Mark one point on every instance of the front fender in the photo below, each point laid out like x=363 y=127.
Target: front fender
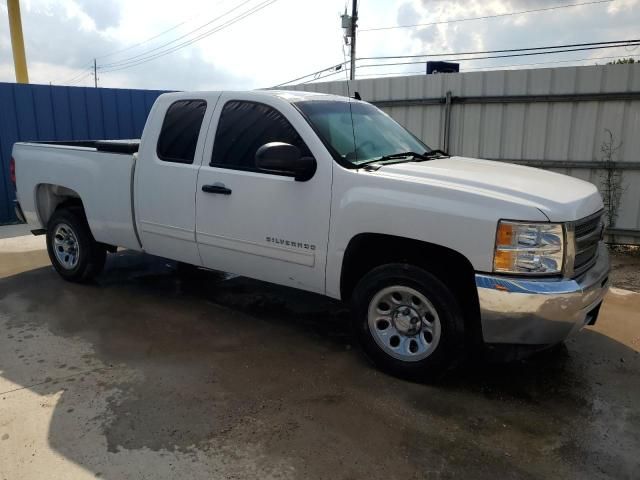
x=439 y=214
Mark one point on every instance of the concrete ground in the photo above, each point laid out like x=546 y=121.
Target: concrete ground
x=150 y=375
x=625 y=267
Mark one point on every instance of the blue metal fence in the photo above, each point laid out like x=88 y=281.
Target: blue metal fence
x=43 y=112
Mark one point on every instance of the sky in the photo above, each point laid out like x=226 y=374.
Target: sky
x=286 y=39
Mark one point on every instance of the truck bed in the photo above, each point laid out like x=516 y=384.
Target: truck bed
x=99 y=172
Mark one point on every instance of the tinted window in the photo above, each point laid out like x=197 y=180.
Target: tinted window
x=246 y=126
x=180 y=131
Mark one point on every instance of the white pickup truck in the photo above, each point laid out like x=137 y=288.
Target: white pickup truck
x=328 y=194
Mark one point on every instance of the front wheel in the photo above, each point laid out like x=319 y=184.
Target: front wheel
x=408 y=321
x=73 y=251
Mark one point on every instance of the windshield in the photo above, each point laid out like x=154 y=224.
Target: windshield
x=372 y=135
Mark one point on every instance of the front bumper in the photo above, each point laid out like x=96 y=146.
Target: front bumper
x=541 y=311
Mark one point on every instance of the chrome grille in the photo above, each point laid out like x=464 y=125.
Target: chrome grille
x=587 y=234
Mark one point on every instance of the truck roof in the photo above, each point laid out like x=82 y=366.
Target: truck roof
x=290 y=96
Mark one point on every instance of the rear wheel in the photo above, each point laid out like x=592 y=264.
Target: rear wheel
x=73 y=251
x=408 y=321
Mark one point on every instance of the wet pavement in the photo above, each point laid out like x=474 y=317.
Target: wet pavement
x=153 y=374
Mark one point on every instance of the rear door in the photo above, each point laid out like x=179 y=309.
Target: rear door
x=166 y=176
x=262 y=225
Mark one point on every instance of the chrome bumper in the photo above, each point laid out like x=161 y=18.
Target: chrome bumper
x=539 y=311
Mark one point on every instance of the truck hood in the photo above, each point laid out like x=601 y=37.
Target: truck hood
x=560 y=197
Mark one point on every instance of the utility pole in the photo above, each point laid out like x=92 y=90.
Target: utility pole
x=17 y=41
x=95 y=73
x=354 y=20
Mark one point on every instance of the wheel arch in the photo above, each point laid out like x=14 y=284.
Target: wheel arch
x=366 y=251
x=50 y=197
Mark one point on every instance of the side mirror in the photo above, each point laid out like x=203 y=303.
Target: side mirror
x=286 y=159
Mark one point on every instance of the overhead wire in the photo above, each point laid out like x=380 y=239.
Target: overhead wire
x=240 y=5
x=525 y=49
x=387 y=74
x=496 y=67
x=158 y=35
x=147 y=40
x=80 y=80
x=485 y=17
x=85 y=68
x=318 y=72
x=131 y=47
x=502 y=56
x=144 y=57
x=132 y=63
x=327 y=72
x=575 y=60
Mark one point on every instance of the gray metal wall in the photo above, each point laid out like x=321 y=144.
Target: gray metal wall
x=553 y=118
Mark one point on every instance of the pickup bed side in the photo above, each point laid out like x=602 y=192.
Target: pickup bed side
x=50 y=174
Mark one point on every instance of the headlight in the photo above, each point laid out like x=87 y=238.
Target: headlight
x=529 y=248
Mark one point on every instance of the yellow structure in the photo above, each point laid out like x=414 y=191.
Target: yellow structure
x=17 y=41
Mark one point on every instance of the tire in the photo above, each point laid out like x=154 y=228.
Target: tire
x=73 y=251
x=412 y=305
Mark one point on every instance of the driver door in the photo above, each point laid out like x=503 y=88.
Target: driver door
x=257 y=224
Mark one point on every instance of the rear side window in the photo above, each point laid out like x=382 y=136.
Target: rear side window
x=246 y=126
x=180 y=131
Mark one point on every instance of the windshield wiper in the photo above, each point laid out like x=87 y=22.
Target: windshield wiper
x=407 y=157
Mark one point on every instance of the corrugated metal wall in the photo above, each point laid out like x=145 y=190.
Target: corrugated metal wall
x=42 y=112
x=496 y=117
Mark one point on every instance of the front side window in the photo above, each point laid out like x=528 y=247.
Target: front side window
x=358 y=132
x=246 y=126
x=180 y=131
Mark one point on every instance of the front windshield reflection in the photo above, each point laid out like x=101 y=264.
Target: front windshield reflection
x=358 y=132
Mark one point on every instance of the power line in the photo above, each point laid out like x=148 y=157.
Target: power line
x=386 y=74
x=80 y=80
x=503 y=56
x=550 y=62
x=337 y=67
x=497 y=67
x=133 y=63
x=526 y=49
x=330 y=74
x=130 y=47
x=485 y=17
x=73 y=77
x=334 y=69
x=164 y=32
x=180 y=37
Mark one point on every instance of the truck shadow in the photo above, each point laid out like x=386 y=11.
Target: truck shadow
x=151 y=367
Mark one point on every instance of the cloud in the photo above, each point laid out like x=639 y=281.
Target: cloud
x=564 y=26
x=176 y=72
x=60 y=50
x=407 y=14
x=104 y=13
